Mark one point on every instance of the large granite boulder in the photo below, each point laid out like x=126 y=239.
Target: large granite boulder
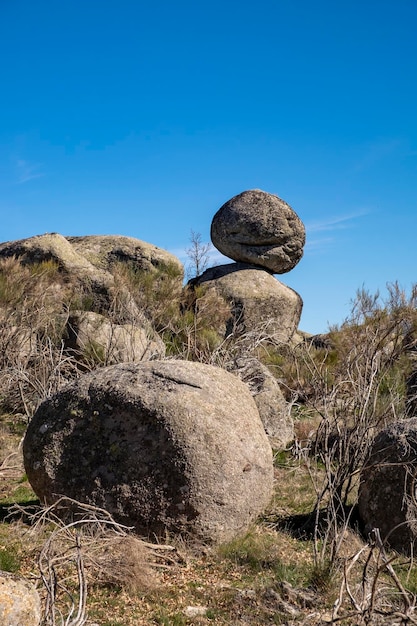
x=74 y=266
x=387 y=494
x=88 y=261
x=93 y=337
x=273 y=408
x=164 y=446
x=258 y=301
x=20 y=604
x=103 y=251
x=259 y=228
x=53 y=246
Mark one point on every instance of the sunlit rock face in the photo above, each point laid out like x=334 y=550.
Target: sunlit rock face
x=259 y=228
x=164 y=446
x=259 y=303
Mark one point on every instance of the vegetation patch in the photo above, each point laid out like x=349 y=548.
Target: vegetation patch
x=305 y=561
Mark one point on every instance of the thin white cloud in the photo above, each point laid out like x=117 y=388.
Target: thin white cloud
x=330 y=226
x=217 y=258
x=320 y=243
x=180 y=253
x=27 y=171
x=335 y=223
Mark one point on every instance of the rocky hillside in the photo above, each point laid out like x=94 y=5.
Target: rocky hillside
x=237 y=470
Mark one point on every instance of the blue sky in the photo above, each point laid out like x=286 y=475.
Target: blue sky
x=142 y=119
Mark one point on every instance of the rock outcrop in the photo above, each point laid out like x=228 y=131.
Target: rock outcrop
x=79 y=255
x=272 y=406
x=93 y=337
x=103 y=251
x=171 y=446
x=89 y=261
x=264 y=236
x=259 y=228
x=387 y=494
x=20 y=604
x=258 y=302
x=55 y=247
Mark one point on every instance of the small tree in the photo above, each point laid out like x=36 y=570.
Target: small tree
x=199 y=255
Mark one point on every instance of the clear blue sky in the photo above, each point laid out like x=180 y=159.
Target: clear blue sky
x=143 y=118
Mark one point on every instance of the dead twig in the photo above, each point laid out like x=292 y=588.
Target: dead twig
x=85 y=545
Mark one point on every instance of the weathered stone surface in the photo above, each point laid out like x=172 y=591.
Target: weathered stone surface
x=89 y=260
x=272 y=406
x=103 y=251
x=53 y=246
x=259 y=228
x=387 y=494
x=162 y=445
x=91 y=335
x=19 y=601
x=258 y=301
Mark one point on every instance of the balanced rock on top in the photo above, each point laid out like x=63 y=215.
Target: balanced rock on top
x=259 y=228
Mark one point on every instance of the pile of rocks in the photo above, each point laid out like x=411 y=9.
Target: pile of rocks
x=116 y=332
x=264 y=236
x=173 y=446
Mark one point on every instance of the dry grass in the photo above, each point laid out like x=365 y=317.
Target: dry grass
x=303 y=563
x=132 y=582
x=11 y=460
x=269 y=576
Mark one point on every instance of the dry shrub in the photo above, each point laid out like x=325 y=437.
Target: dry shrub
x=8 y=446
x=156 y=292
x=354 y=383
x=202 y=326
x=33 y=302
x=191 y=321
x=126 y=562
x=371 y=592
x=36 y=304
x=81 y=545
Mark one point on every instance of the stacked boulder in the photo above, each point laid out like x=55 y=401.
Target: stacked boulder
x=259 y=228
x=264 y=236
x=168 y=445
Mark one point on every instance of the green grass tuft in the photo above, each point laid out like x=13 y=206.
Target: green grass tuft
x=9 y=559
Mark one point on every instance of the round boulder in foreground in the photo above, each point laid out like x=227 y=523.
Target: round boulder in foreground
x=259 y=228
x=388 y=489
x=163 y=446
